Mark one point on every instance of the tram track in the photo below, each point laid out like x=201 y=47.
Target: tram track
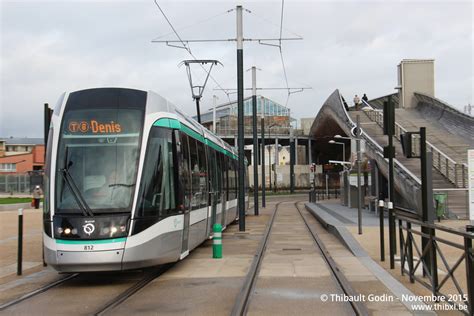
x=103 y=309
x=122 y=297
x=38 y=291
x=358 y=307
x=242 y=302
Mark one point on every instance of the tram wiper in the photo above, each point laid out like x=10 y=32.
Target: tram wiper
x=121 y=185
x=76 y=193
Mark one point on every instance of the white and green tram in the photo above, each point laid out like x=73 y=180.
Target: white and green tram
x=131 y=182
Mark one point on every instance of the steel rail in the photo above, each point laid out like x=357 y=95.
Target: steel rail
x=358 y=307
x=241 y=303
x=37 y=291
x=122 y=297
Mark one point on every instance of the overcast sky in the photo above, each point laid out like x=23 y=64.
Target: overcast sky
x=51 y=47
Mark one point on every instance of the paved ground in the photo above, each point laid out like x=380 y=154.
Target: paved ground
x=292 y=278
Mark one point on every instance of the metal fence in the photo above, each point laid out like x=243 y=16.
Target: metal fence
x=441 y=255
x=14 y=183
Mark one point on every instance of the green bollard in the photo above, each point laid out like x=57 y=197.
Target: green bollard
x=217 y=241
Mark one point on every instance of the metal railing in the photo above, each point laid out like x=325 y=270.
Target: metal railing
x=455 y=172
x=378 y=150
x=427 y=254
x=321 y=194
x=272 y=131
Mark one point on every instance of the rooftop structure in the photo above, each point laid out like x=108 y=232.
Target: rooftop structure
x=20 y=155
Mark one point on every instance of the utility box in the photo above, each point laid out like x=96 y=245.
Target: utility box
x=440 y=203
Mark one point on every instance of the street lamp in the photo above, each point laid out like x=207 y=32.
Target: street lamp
x=342 y=137
x=343 y=147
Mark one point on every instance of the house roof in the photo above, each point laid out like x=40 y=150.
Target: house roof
x=22 y=141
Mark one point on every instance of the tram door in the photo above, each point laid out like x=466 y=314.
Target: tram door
x=213 y=186
x=185 y=177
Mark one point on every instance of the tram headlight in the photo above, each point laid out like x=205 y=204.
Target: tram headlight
x=113 y=230
x=60 y=230
x=67 y=231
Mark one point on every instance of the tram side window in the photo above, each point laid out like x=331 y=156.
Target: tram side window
x=219 y=176
x=157 y=189
x=229 y=174
x=212 y=170
x=225 y=168
x=195 y=174
x=236 y=178
x=203 y=174
x=185 y=174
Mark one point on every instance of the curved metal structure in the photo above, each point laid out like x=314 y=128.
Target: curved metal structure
x=333 y=116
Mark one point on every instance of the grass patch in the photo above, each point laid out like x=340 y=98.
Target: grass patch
x=15 y=200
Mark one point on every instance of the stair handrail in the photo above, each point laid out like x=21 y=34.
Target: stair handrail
x=379 y=150
x=447 y=166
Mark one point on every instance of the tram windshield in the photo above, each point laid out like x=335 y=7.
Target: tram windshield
x=97 y=160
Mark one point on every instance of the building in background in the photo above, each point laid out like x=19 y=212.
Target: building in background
x=277 y=117
x=21 y=155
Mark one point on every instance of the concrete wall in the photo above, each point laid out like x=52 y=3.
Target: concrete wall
x=283 y=176
x=306 y=124
x=415 y=75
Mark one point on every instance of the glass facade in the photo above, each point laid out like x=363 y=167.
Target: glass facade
x=270 y=108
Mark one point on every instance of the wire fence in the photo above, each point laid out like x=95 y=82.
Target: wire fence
x=15 y=183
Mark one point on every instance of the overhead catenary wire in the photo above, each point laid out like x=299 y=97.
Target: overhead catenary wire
x=194 y=24
x=187 y=48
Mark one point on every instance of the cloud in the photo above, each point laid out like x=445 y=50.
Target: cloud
x=51 y=47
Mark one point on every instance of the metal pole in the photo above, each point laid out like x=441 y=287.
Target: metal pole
x=262 y=127
x=359 y=186
x=327 y=188
x=391 y=191
x=214 y=99
x=240 y=117
x=47 y=122
x=270 y=166
x=20 y=242
x=427 y=204
x=469 y=253
x=275 y=180
x=343 y=153
x=198 y=111
x=310 y=155
x=382 y=233
x=255 y=139
x=292 y=162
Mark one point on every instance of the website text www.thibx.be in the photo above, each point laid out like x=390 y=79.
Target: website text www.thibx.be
x=455 y=302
